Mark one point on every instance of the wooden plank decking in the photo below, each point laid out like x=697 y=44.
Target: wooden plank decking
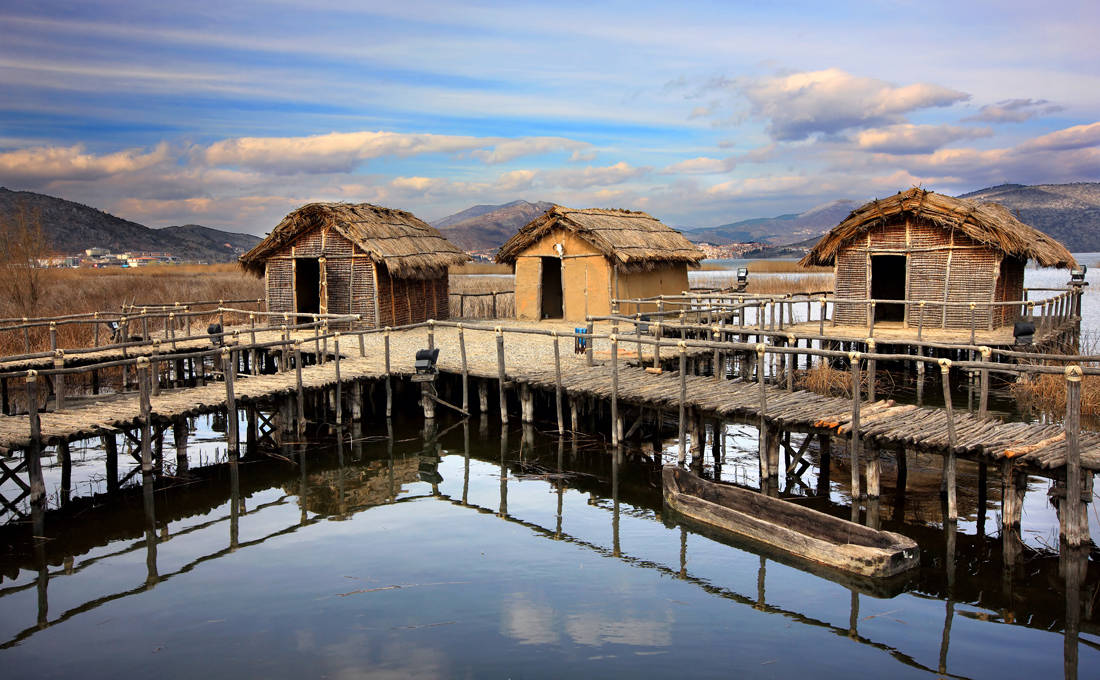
x=530 y=360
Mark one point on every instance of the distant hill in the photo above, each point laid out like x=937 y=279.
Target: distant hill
x=779 y=230
x=1068 y=212
x=484 y=227
x=73 y=227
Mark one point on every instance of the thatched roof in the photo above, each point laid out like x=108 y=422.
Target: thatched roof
x=634 y=240
x=988 y=223
x=408 y=247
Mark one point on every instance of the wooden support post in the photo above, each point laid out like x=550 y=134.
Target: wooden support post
x=154 y=367
x=682 y=453
x=6 y=399
x=773 y=446
x=589 y=350
x=557 y=383
x=824 y=442
x=1013 y=482
x=339 y=386
x=983 y=396
x=144 y=389
x=657 y=346
x=232 y=429
x=873 y=474
x=53 y=336
x=501 y=375
x=34 y=449
x=949 y=463
x=574 y=415
x=1076 y=519
x=299 y=392
x=526 y=403
x=483 y=395
x=59 y=380
x=389 y=382
x=872 y=370
x=465 y=369
x=614 y=389
x=179 y=437
x=855 y=442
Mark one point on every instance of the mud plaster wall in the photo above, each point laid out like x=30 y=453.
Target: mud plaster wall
x=586 y=277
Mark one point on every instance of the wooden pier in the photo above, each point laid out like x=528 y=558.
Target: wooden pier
x=712 y=380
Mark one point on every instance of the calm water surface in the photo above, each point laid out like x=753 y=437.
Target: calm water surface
x=393 y=552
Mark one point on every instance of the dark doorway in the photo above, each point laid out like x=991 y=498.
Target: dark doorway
x=888 y=283
x=307 y=287
x=551 y=288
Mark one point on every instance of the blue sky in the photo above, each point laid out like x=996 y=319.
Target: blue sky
x=231 y=114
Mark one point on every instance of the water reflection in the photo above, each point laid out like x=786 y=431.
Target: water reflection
x=656 y=592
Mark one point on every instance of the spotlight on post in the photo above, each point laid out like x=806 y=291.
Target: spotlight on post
x=217 y=338
x=1023 y=332
x=1077 y=276
x=425 y=365
x=742 y=277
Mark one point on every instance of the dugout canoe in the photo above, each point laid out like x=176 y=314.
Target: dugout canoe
x=804 y=533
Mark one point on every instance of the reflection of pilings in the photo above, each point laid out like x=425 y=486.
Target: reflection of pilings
x=466 y=460
x=1074 y=564
x=42 y=582
x=234 y=504
x=761 y=577
x=949 y=568
x=503 y=510
x=616 y=454
x=560 y=483
x=151 y=576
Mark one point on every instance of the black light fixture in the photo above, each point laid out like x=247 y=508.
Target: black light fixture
x=214 y=330
x=742 y=277
x=425 y=364
x=1077 y=276
x=1023 y=332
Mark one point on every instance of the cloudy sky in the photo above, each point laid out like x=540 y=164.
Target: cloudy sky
x=231 y=114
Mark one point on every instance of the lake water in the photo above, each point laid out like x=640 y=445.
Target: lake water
x=395 y=552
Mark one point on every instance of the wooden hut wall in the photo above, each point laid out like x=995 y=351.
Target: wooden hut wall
x=1010 y=286
x=971 y=276
x=405 y=301
x=671 y=279
x=586 y=277
x=851 y=283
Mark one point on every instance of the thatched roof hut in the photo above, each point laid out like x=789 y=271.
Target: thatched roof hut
x=989 y=223
x=920 y=246
x=572 y=263
x=340 y=258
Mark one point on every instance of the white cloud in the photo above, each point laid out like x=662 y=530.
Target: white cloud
x=50 y=163
x=702 y=165
x=830 y=101
x=504 y=151
x=1014 y=111
x=905 y=138
x=594 y=176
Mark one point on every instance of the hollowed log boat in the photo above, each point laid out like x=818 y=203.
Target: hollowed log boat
x=801 y=532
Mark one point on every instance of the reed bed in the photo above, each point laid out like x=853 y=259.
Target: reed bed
x=471 y=296
x=74 y=291
x=833 y=382
x=1047 y=392
x=474 y=268
x=771 y=284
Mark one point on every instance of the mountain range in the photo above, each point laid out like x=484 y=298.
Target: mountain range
x=485 y=227
x=1068 y=212
x=73 y=227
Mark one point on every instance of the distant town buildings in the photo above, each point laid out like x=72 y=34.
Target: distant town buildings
x=727 y=251
x=102 y=257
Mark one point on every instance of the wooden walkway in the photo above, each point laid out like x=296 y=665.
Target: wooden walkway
x=1038 y=446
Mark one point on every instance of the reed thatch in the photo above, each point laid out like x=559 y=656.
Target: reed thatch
x=988 y=223
x=633 y=240
x=406 y=246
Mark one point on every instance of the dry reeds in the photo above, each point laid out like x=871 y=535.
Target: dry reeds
x=74 y=291
x=773 y=284
x=476 y=297
x=833 y=382
x=475 y=268
x=1047 y=393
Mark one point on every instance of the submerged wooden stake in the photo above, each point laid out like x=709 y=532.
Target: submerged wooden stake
x=949 y=460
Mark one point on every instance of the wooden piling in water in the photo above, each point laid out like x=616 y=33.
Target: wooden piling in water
x=557 y=382
x=501 y=375
x=949 y=462
x=681 y=456
x=855 y=442
x=1076 y=521
x=144 y=389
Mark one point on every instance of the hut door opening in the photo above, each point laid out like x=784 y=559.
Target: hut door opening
x=307 y=286
x=888 y=283
x=552 y=295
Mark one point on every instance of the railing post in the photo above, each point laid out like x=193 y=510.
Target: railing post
x=614 y=389
x=872 y=368
x=146 y=414
x=389 y=382
x=501 y=375
x=34 y=449
x=949 y=460
x=465 y=369
x=229 y=368
x=154 y=367
x=856 y=444
x=1076 y=519
x=920 y=321
x=557 y=383
x=53 y=336
x=983 y=396
x=657 y=346
x=871 y=314
x=973 y=321
x=301 y=397
x=59 y=379
x=681 y=456
x=339 y=386
x=431 y=333
x=589 y=349
x=95 y=324
x=821 y=320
